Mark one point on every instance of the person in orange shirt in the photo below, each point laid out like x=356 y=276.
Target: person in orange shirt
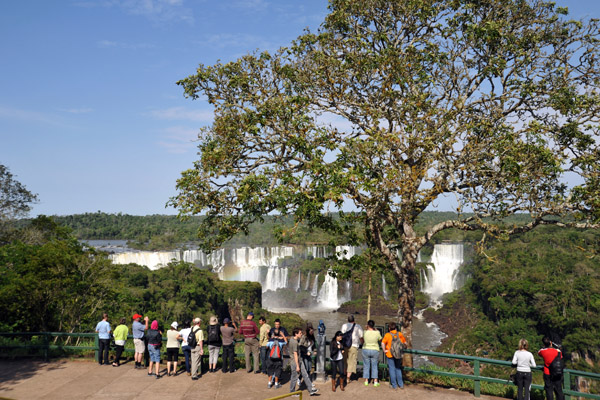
x=394 y=364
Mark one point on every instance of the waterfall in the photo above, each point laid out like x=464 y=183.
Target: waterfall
x=348 y=291
x=328 y=295
x=151 y=259
x=298 y=285
x=345 y=252
x=216 y=258
x=315 y=288
x=307 y=281
x=440 y=277
x=276 y=278
x=384 y=287
x=317 y=251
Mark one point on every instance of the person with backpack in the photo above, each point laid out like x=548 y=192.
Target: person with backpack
x=336 y=352
x=393 y=345
x=553 y=371
x=277 y=339
x=523 y=361
x=196 y=343
x=213 y=338
x=352 y=339
x=263 y=341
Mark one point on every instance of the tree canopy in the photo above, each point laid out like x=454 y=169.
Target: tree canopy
x=15 y=199
x=392 y=106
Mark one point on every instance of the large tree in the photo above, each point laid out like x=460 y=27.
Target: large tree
x=394 y=106
x=15 y=199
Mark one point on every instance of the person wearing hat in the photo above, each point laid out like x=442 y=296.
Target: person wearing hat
x=138 y=330
x=250 y=331
x=173 y=337
x=197 y=351
x=227 y=331
x=213 y=338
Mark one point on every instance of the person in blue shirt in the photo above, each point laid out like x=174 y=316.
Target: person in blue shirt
x=103 y=331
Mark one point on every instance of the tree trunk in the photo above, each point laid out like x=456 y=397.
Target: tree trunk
x=406 y=293
x=369 y=294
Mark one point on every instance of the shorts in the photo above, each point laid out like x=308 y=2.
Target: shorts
x=154 y=353
x=350 y=359
x=172 y=353
x=139 y=345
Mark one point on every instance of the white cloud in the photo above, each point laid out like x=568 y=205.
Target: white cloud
x=179 y=139
x=182 y=114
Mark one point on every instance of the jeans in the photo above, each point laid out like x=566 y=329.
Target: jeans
x=337 y=367
x=370 y=360
x=103 y=346
x=552 y=386
x=264 y=355
x=395 y=368
x=228 y=354
x=295 y=376
x=187 y=353
x=523 y=385
x=154 y=352
x=307 y=361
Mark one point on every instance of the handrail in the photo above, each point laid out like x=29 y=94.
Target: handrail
x=476 y=377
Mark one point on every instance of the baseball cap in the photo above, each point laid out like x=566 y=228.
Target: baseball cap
x=136 y=316
x=251 y=313
x=226 y=321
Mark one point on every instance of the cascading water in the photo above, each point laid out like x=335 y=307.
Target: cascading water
x=328 y=295
x=152 y=259
x=315 y=289
x=345 y=252
x=276 y=278
x=298 y=284
x=441 y=277
x=384 y=288
x=307 y=281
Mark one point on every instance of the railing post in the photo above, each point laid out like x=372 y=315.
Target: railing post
x=321 y=349
x=97 y=346
x=46 y=343
x=477 y=382
x=567 y=385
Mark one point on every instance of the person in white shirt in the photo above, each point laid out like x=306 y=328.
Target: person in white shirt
x=351 y=354
x=523 y=360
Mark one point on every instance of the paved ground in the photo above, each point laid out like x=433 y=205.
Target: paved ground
x=86 y=380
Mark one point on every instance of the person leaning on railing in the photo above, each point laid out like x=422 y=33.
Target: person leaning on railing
x=120 y=335
x=523 y=360
x=370 y=353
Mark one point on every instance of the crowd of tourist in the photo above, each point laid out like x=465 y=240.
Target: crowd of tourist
x=266 y=349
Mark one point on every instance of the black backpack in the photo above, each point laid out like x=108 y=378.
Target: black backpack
x=191 y=340
x=213 y=334
x=347 y=337
x=556 y=367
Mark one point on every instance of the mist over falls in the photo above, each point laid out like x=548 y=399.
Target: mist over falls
x=284 y=284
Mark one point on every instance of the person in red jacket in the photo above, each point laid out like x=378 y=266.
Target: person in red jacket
x=551 y=384
x=250 y=331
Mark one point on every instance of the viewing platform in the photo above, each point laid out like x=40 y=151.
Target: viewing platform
x=85 y=379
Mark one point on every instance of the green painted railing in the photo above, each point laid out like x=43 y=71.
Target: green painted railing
x=44 y=343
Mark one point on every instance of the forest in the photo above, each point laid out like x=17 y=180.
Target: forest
x=544 y=282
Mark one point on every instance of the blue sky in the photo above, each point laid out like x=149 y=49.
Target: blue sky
x=90 y=115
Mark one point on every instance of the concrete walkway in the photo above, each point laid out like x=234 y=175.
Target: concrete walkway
x=62 y=379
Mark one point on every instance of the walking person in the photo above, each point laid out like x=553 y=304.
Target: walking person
x=297 y=365
x=138 y=330
x=103 y=331
x=370 y=353
x=552 y=383
x=227 y=331
x=154 y=344
x=523 y=360
x=263 y=342
x=307 y=343
x=351 y=353
x=120 y=335
x=185 y=348
x=394 y=363
x=198 y=349
x=173 y=337
x=213 y=338
x=250 y=331
x=336 y=353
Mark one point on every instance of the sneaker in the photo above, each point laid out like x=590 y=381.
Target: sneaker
x=277 y=385
x=376 y=384
x=270 y=385
x=366 y=383
x=313 y=391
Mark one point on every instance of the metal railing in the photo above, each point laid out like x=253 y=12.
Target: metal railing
x=43 y=342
